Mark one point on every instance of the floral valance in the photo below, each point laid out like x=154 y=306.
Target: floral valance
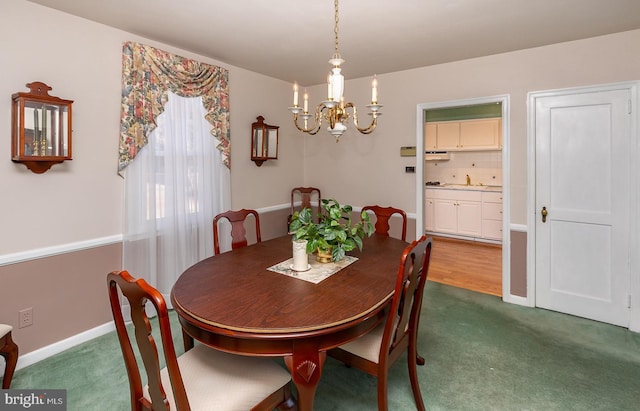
x=148 y=74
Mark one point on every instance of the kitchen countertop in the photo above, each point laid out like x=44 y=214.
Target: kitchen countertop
x=473 y=187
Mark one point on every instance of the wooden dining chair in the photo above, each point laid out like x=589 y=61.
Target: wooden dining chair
x=378 y=349
x=200 y=379
x=238 y=231
x=382 y=219
x=9 y=350
x=305 y=195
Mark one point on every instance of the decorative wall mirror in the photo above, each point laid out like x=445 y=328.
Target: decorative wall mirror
x=40 y=128
x=264 y=141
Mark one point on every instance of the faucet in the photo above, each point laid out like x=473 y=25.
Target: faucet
x=468 y=180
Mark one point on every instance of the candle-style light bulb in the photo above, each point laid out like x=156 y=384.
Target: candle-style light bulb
x=306 y=101
x=295 y=94
x=374 y=90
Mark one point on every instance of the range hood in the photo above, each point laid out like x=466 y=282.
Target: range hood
x=436 y=156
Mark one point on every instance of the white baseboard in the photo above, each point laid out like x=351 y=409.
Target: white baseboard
x=60 y=346
x=515 y=299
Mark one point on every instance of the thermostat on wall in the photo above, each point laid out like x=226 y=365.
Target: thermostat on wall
x=408 y=151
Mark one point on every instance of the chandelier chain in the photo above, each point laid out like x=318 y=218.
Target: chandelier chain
x=335 y=29
x=334 y=109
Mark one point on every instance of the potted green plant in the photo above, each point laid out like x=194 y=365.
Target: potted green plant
x=335 y=234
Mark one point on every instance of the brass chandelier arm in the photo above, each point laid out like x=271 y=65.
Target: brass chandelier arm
x=317 y=121
x=313 y=130
x=370 y=127
x=333 y=115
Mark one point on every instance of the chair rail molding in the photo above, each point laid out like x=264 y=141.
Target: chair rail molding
x=37 y=253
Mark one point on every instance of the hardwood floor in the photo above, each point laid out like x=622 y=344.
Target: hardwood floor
x=467 y=264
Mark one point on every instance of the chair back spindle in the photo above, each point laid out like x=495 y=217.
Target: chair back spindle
x=307 y=196
x=238 y=231
x=383 y=214
x=213 y=379
x=138 y=293
x=377 y=350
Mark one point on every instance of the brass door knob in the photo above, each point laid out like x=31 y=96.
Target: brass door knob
x=544 y=213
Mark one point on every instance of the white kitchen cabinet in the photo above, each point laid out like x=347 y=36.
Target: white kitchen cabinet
x=430 y=136
x=448 y=135
x=442 y=136
x=492 y=215
x=445 y=216
x=482 y=134
x=428 y=210
x=456 y=212
x=464 y=135
x=464 y=213
x=469 y=218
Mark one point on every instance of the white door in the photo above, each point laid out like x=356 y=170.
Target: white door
x=582 y=171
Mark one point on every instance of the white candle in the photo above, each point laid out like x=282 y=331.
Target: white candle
x=295 y=94
x=300 y=256
x=306 y=101
x=374 y=90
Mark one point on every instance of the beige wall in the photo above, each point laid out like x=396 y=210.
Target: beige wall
x=255 y=187
x=518 y=268
x=68 y=294
x=81 y=200
x=367 y=169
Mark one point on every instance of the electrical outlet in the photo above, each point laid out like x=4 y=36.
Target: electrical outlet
x=25 y=317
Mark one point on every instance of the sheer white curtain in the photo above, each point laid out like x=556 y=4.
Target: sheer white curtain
x=173 y=189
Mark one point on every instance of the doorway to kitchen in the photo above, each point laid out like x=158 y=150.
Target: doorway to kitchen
x=462 y=180
x=466 y=264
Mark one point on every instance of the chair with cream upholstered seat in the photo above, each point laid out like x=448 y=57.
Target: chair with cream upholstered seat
x=9 y=350
x=377 y=350
x=200 y=379
x=383 y=214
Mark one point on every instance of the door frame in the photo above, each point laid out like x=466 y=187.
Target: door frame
x=420 y=187
x=634 y=206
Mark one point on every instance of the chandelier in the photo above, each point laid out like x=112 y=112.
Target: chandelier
x=334 y=109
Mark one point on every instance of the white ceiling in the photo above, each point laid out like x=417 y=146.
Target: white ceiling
x=293 y=39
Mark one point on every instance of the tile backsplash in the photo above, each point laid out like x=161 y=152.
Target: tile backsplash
x=484 y=167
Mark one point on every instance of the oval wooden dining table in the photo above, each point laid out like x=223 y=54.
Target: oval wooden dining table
x=233 y=303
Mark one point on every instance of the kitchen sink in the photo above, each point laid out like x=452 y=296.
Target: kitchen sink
x=464 y=186
x=471 y=187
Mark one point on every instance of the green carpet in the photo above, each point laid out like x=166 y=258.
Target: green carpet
x=482 y=354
